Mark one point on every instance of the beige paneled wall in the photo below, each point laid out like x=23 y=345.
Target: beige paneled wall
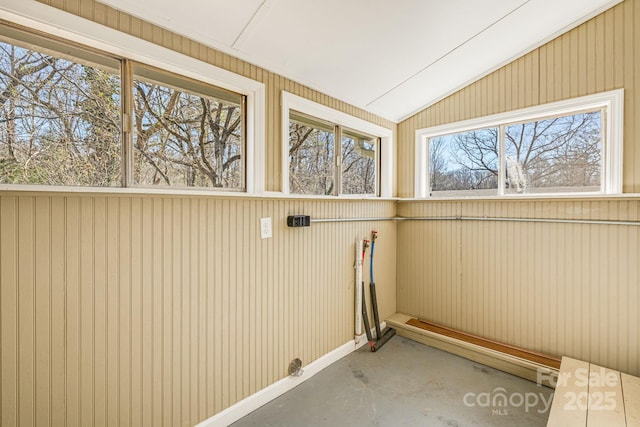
x=140 y=310
x=599 y=55
x=126 y=310
x=565 y=289
x=143 y=310
x=274 y=83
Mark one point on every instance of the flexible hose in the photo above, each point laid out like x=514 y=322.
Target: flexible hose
x=373 y=246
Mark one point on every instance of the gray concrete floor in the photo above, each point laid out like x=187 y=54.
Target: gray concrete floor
x=406 y=383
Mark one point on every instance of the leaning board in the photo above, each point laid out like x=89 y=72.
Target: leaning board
x=594 y=396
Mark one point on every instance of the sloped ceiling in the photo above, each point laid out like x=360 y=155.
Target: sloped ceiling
x=392 y=58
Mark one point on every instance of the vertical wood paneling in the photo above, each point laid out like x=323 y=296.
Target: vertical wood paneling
x=202 y=300
x=296 y=305
x=107 y=322
x=565 y=289
x=26 y=311
x=150 y=256
x=140 y=303
x=161 y=311
x=9 y=311
x=217 y=340
x=120 y=211
x=42 y=306
x=58 y=311
x=633 y=301
x=165 y=316
x=72 y=311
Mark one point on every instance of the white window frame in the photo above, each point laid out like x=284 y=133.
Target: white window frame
x=297 y=103
x=612 y=103
x=57 y=23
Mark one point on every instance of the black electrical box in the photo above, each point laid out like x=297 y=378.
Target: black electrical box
x=298 y=221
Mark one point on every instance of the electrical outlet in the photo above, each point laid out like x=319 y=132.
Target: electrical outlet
x=265 y=228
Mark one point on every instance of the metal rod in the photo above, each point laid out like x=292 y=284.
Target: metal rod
x=353 y=219
x=472 y=218
x=539 y=220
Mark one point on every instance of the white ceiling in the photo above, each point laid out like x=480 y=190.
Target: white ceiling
x=392 y=58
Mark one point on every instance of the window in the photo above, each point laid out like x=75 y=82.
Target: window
x=72 y=116
x=312 y=156
x=328 y=152
x=562 y=148
x=464 y=161
x=318 y=166
x=359 y=163
x=185 y=133
x=59 y=115
x=558 y=154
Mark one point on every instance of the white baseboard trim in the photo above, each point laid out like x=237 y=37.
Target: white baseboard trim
x=246 y=406
x=267 y=394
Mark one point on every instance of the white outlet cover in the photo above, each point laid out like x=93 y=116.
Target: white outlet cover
x=265 y=228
